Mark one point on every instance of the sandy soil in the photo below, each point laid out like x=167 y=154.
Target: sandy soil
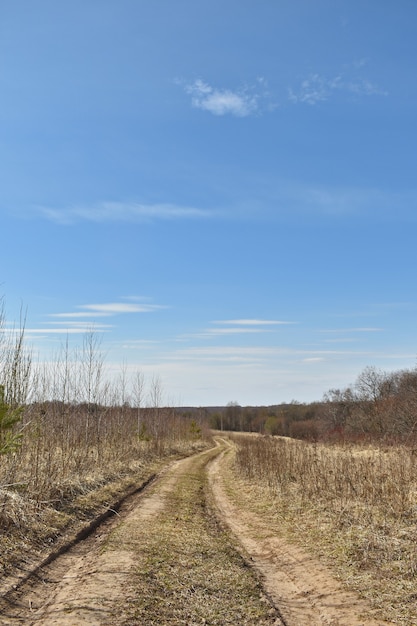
x=85 y=585
x=82 y=585
x=302 y=588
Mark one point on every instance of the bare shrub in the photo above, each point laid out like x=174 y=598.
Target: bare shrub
x=66 y=429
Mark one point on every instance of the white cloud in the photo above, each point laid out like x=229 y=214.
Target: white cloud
x=338 y=340
x=81 y=325
x=119 y=211
x=240 y=102
x=239 y=326
x=107 y=309
x=256 y=98
x=67 y=329
x=83 y=321
x=80 y=314
x=114 y=308
x=240 y=353
x=312 y=90
x=216 y=332
x=225 y=354
x=317 y=88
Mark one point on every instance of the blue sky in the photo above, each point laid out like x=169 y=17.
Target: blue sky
x=225 y=191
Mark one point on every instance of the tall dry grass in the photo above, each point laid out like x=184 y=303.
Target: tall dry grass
x=67 y=449
x=375 y=479
x=67 y=431
x=354 y=506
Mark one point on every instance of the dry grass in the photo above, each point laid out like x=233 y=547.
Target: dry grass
x=72 y=441
x=355 y=508
x=63 y=475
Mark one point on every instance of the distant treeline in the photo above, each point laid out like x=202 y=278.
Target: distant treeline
x=379 y=405
x=74 y=387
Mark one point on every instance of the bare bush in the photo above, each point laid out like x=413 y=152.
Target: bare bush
x=66 y=429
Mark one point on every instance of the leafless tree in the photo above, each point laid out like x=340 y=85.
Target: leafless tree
x=138 y=397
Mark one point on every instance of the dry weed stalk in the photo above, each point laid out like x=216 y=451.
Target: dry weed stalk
x=336 y=474
x=357 y=506
x=79 y=430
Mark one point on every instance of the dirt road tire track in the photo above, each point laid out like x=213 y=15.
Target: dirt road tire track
x=305 y=591
x=164 y=560
x=107 y=580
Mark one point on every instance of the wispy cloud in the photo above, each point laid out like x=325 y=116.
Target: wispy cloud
x=84 y=319
x=80 y=326
x=258 y=354
x=218 y=332
x=240 y=102
x=239 y=326
x=120 y=211
x=66 y=329
x=114 y=308
x=257 y=97
x=109 y=309
x=339 y=340
x=318 y=88
x=222 y=353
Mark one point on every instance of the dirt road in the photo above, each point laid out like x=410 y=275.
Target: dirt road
x=165 y=559
x=305 y=591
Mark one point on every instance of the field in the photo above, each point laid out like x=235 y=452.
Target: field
x=249 y=531
x=117 y=510
x=354 y=507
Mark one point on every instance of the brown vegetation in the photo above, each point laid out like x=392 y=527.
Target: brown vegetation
x=354 y=506
x=70 y=439
x=379 y=406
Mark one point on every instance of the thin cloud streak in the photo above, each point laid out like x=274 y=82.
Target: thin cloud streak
x=114 y=308
x=83 y=325
x=219 y=332
x=227 y=352
x=238 y=326
x=69 y=330
x=122 y=212
x=79 y=314
x=291 y=197
x=109 y=309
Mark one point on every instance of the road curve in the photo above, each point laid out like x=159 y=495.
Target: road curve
x=163 y=559
x=303 y=589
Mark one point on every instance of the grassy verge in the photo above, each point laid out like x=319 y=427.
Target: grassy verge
x=353 y=508
x=30 y=530
x=187 y=571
